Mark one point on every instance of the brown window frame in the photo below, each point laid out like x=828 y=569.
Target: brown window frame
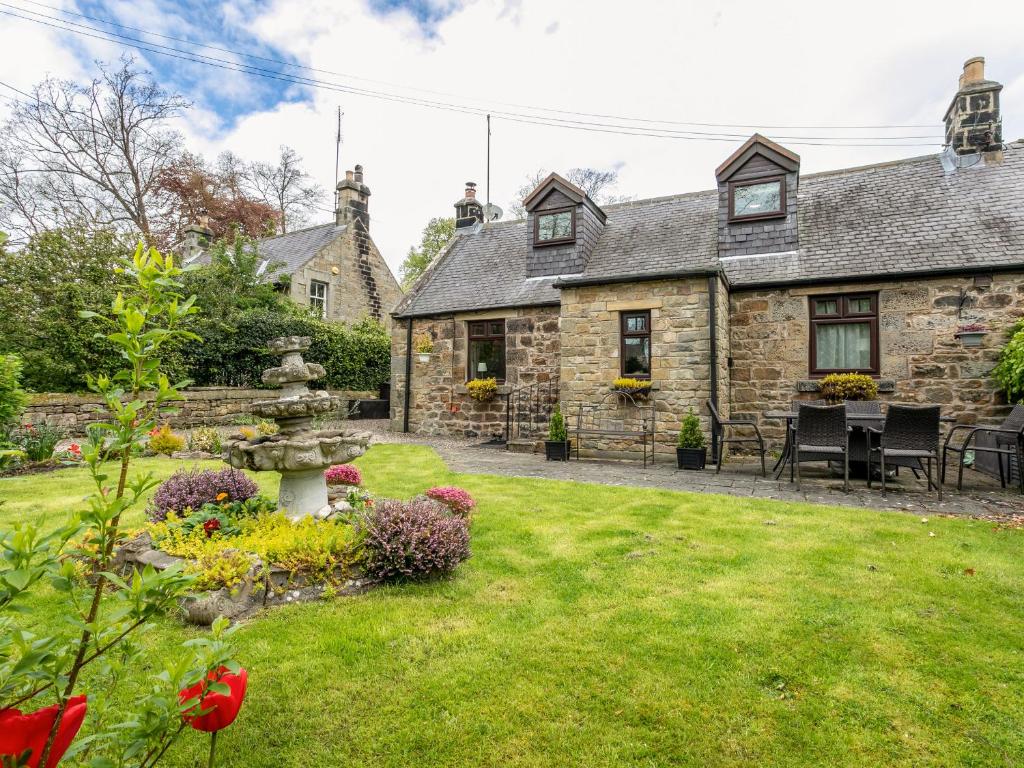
x=560 y=241
x=624 y=334
x=779 y=214
x=844 y=316
x=486 y=336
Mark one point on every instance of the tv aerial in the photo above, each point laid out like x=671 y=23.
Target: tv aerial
x=492 y=212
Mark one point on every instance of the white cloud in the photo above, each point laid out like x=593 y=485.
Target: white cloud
x=806 y=63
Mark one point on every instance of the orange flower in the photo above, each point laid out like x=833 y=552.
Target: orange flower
x=221 y=496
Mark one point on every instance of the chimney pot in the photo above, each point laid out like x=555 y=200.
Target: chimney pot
x=471 y=189
x=974 y=71
x=359 y=174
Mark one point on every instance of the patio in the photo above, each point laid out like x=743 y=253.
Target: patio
x=982 y=497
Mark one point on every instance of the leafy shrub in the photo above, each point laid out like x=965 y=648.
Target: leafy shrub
x=556 y=428
x=413 y=540
x=837 y=387
x=1009 y=372
x=423 y=344
x=313 y=547
x=343 y=474
x=12 y=396
x=191 y=489
x=455 y=499
x=690 y=433
x=37 y=441
x=163 y=440
x=265 y=427
x=206 y=439
x=483 y=390
x=357 y=357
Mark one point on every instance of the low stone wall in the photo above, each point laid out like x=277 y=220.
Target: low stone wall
x=203 y=406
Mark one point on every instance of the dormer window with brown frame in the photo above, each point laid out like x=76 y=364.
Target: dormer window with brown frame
x=763 y=198
x=554 y=227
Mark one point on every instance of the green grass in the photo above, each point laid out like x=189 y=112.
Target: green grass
x=608 y=626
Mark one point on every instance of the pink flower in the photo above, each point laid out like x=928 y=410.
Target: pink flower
x=456 y=499
x=75 y=448
x=343 y=474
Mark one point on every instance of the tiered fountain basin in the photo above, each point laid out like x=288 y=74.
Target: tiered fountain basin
x=298 y=452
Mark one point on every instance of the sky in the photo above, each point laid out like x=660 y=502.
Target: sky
x=798 y=72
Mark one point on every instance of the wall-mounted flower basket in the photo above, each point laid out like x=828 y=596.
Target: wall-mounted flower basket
x=423 y=345
x=423 y=357
x=971 y=335
x=638 y=389
x=482 y=390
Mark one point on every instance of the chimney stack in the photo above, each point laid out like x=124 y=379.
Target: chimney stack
x=468 y=211
x=197 y=238
x=973 y=121
x=353 y=200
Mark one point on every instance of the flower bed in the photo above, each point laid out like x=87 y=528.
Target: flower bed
x=244 y=555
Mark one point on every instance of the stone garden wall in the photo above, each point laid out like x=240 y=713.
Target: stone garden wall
x=680 y=354
x=921 y=360
x=440 y=404
x=202 y=406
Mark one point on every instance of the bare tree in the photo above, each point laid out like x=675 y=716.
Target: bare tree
x=88 y=154
x=287 y=187
x=596 y=183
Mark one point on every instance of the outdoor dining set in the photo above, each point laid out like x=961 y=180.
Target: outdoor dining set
x=861 y=438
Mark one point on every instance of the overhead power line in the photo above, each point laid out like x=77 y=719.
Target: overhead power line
x=350 y=76
x=585 y=125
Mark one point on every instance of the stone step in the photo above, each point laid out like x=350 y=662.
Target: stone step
x=526 y=445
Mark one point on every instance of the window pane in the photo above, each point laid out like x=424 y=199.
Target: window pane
x=636 y=353
x=755 y=199
x=554 y=226
x=859 y=305
x=826 y=307
x=487 y=359
x=636 y=323
x=498 y=328
x=477 y=329
x=843 y=346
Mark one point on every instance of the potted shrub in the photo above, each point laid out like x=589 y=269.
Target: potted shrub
x=691 y=451
x=483 y=390
x=423 y=345
x=971 y=334
x=837 y=387
x=556 y=447
x=639 y=388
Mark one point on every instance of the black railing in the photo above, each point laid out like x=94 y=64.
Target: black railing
x=528 y=409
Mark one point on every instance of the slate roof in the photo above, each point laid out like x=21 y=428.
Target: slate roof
x=900 y=218
x=289 y=252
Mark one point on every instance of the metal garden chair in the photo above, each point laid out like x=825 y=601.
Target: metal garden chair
x=1007 y=440
x=821 y=434
x=723 y=424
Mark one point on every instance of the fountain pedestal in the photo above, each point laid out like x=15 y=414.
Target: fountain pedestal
x=299 y=453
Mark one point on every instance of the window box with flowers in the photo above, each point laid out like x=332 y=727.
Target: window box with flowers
x=637 y=388
x=972 y=334
x=482 y=390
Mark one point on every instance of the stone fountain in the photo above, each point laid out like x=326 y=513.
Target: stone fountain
x=298 y=452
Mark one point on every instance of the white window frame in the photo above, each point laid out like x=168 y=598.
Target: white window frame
x=315 y=299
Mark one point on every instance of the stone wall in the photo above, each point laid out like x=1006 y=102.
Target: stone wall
x=921 y=360
x=363 y=286
x=202 y=406
x=680 y=354
x=440 y=404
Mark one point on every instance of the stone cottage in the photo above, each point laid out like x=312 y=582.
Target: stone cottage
x=745 y=294
x=335 y=268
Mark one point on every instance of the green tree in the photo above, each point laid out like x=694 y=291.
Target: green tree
x=1009 y=373
x=436 y=235
x=42 y=289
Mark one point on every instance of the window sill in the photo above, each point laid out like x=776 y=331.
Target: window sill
x=503 y=389
x=814 y=385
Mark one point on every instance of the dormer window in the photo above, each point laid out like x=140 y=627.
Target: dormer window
x=553 y=227
x=757 y=199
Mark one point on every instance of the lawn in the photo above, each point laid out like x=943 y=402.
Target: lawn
x=608 y=626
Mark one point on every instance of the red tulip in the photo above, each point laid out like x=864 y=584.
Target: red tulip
x=220 y=710
x=19 y=733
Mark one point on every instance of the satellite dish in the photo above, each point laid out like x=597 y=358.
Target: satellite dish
x=492 y=212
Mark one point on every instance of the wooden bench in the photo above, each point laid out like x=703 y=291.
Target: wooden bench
x=617 y=415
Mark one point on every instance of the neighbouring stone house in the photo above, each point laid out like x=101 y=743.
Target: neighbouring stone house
x=333 y=267
x=745 y=294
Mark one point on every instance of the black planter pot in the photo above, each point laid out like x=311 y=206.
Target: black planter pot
x=691 y=458
x=556 y=450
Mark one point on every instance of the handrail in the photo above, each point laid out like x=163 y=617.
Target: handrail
x=528 y=409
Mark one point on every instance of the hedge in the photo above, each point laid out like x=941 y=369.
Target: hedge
x=356 y=357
